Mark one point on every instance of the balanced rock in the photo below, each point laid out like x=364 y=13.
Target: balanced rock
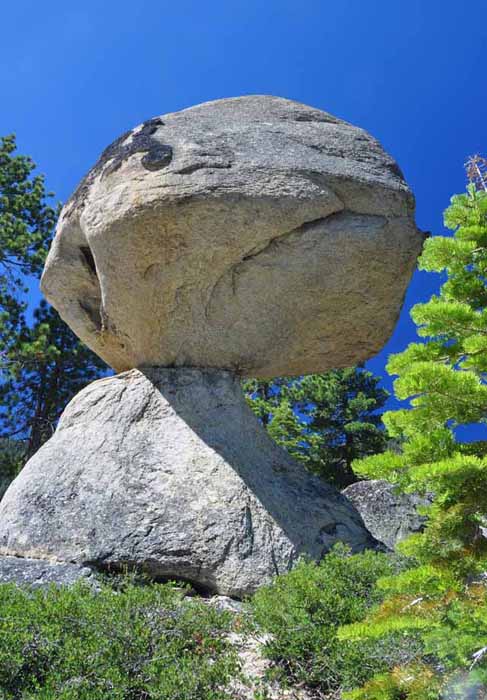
x=389 y=515
x=253 y=234
x=169 y=470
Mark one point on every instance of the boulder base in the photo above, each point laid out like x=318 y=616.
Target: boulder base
x=169 y=471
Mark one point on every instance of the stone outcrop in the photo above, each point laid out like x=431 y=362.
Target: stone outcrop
x=390 y=516
x=253 y=234
x=169 y=470
x=39 y=573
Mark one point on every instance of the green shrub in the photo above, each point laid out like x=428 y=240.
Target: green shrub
x=135 y=643
x=303 y=609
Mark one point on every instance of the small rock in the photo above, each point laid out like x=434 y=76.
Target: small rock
x=38 y=573
x=224 y=603
x=389 y=516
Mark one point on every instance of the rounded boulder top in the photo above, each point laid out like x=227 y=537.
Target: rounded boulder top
x=254 y=234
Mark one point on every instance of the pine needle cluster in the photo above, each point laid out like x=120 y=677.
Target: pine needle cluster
x=323 y=420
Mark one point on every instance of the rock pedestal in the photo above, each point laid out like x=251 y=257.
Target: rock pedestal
x=169 y=471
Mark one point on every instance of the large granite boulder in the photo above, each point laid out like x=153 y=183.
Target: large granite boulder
x=169 y=470
x=254 y=234
x=389 y=515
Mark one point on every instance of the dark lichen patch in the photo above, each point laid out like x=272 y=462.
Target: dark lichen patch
x=157 y=157
x=151 y=125
x=78 y=197
x=142 y=141
x=137 y=140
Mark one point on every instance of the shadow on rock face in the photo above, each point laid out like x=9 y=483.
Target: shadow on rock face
x=169 y=471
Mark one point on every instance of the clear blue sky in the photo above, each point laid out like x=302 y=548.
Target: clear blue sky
x=74 y=75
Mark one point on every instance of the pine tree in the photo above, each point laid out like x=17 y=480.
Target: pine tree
x=50 y=367
x=26 y=223
x=325 y=420
x=42 y=364
x=442 y=598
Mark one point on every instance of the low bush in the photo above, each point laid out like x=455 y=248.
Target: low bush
x=134 y=643
x=303 y=609
x=128 y=641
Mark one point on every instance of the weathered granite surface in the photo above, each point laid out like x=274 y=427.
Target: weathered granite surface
x=38 y=573
x=389 y=516
x=255 y=234
x=169 y=470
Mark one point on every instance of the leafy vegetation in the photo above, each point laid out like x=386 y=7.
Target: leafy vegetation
x=137 y=643
x=26 y=223
x=131 y=640
x=303 y=610
x=324 y=420
x=443 y=597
